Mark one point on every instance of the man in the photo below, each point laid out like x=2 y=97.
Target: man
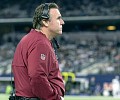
x=116 y=86
x=35 y=67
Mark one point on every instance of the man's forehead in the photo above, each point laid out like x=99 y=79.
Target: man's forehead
x=54 y=12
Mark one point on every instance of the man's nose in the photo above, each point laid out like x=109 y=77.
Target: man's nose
x=62 y=22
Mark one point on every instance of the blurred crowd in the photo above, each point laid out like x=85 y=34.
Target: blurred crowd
x=13 y=9
x=77 y=55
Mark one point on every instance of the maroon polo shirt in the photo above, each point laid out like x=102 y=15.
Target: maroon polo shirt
x=35 y=68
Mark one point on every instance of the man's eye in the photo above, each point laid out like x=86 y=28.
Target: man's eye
x=60 y=17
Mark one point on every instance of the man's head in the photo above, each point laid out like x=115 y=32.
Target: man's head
x=47 y=18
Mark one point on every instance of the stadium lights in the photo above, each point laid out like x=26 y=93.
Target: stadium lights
x=111 y=28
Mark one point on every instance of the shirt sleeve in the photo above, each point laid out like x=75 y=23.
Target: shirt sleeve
x=38 y=70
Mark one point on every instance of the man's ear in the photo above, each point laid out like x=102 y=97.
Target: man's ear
x=45 y=22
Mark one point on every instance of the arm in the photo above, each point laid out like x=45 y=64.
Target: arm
x=38 y=70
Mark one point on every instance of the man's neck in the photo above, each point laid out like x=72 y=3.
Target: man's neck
x=45 y=32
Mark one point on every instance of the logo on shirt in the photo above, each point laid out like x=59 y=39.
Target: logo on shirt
x=43 y=56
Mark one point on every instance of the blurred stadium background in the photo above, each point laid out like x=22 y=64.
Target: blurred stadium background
x=89 y=56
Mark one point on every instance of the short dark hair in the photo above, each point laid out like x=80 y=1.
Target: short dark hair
x=37 y=18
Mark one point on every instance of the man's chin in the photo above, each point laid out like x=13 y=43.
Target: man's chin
x=60 y=33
